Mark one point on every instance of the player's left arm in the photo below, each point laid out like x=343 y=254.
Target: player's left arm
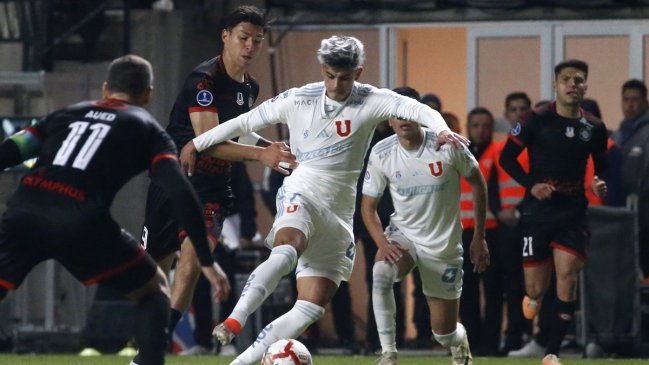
x=19 y=147
x=600 y=158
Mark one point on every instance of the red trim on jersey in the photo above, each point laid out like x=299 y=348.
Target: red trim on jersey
x=117 y=270
x=199 y=109
x=536 y=263
x=162 y=156
x=558 y=246
x=7 y=285
x=517 y=141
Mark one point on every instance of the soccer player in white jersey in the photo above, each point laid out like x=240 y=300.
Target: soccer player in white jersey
x=424 y=229
x=330 y=125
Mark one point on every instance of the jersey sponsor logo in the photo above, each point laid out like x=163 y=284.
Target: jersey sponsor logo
x=585 y=134
x=516 y=130
x=204 y=98
x=570 y=132
x=339 y=128
x=436 y=168
x=304 y=102
x=239 y=98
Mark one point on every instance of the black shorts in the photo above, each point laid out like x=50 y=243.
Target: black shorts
x=162 y=234
x=540 y=238
x=94 y=250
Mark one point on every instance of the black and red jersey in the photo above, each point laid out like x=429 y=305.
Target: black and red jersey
x=558 y=149
x=89 y=151
x=209 y=88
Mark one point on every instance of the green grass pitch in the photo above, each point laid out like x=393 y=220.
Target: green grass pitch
x=317 y=360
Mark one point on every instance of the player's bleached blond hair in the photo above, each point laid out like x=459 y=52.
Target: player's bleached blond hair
x=341 y=52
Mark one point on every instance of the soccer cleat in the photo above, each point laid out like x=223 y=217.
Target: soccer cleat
x=551 y=360
x=387 y=358
x=461 y=354
x=226 y=331
x=531 y=349
x=530 y=307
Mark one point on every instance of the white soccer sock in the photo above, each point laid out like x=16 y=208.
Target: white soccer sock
x=454 y=338
x=384 y=304
x=290 y=325
x=263 y=280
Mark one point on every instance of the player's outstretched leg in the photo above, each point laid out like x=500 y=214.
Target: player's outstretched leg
x=458 y=342
x=385 y=308
x=262 y=281
x=290 y=325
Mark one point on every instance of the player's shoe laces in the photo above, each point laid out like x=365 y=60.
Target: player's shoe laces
x=461 y=354
x=387 y=358
x=531 y=349
x=226 y=331
x=551 y=360
x=530 y=307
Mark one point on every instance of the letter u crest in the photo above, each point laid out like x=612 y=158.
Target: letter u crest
x=348 y=128
x=436 y=168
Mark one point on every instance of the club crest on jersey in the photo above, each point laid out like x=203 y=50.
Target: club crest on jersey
x=239 y=98
x=397 y=175
x=585 y=134
x=516 y=130
x=570 y=132
x=346 y=131
x=204 y=98
x=436 y=168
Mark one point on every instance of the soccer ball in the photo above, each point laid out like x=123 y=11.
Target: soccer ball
x=287 y=352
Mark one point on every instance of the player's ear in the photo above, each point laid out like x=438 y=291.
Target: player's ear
x=104 y=90
x=359 y=71
x=146 y=96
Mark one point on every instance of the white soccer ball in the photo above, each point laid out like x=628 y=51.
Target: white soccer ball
x=287 y=352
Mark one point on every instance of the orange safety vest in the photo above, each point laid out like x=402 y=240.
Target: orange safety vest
x=467 y=214
x=590 y=175
x=509 y=190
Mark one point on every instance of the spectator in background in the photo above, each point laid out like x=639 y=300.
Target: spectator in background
x=484 y=332
x=452 y=121
x=516 y=105
x=633 y=137
x=432 y=101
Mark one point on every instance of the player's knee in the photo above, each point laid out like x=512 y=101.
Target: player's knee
x=287 y=254
x=383 y=275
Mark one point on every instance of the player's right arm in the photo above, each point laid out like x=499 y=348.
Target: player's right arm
x=19 y=147
x=373 y=185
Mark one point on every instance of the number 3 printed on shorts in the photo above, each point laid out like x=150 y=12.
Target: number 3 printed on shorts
x=77 y=129
x=528 y=251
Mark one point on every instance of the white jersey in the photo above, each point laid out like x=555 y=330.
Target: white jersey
x=330 y=146
x=425 y=190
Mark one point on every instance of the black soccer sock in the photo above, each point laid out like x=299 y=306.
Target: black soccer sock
x=561 y=320
x=546 y=313
x=174 y=318
x=151 y=332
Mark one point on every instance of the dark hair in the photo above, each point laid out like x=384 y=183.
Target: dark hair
x=578 y=64
x=430 y=97
x=541 y=103
x=246 y=14
x=636 y=85
x=407 y=91
x=516 y=95
x=591 y=106
x=130 y=74
x=479 y=110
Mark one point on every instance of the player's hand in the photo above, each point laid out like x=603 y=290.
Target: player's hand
x=542 y=191
x=479 y=255
x=390 y=253
x=452 y=138
x=599 y=187
x=508 y=217
x=219 y=281
x=188 y=158
x=278 y=156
